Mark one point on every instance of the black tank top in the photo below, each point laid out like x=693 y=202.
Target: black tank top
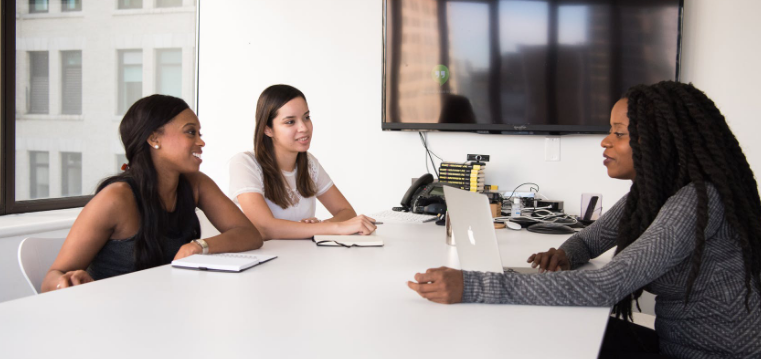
x=117 y=257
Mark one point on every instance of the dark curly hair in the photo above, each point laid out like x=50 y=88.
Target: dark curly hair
x=678 y=136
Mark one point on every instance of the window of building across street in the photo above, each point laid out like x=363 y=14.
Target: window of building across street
x=71 y=70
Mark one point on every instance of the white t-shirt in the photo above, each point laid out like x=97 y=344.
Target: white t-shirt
x=246 y=176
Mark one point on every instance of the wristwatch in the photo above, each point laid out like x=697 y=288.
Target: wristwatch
x=203 y=244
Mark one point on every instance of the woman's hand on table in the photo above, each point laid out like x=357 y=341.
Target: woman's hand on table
x=188 y=250
x=72 y=278
x=551 y=261
x=441 y=285
x=360 y=224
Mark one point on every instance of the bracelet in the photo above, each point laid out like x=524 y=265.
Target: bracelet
x=203 y=244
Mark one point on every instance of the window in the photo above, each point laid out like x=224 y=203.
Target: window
x=37 y=6
x=39 y=82
x=39 y=174
x=71 y=174
x=130 y=4
x=71 y=82
x=67 y=81
x=71 y=5
x=130 y=78
x=168 y=3
x=169 y=72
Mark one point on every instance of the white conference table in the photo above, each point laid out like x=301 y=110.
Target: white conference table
x=317 y=302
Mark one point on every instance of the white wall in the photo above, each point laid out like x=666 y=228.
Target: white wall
x=721 y=51
x=332 y=50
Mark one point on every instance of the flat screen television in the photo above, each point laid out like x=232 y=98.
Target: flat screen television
x=522 y=67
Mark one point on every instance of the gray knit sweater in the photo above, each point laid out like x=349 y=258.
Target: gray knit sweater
x=714 y=324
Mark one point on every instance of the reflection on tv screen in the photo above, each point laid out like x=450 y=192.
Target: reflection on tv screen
x=523 y=62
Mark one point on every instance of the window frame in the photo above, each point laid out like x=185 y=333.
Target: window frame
x=157 y=4
x=122 y=104
x=8 y=202
x=159 y=69
x=47 y=11
x=64 y=56
x=63 y=6
x=119 y=5
x=65 y=167
x=34 y=168
x=32 y=56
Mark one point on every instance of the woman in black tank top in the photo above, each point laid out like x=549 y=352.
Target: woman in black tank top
x=145 y=217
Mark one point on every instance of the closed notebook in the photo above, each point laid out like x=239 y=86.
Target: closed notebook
x=352 y=240
x=226 y=262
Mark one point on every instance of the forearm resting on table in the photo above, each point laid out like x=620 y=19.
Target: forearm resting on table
x=237 y=239
x=576 y=251
x=342 y=215
x=284 y=229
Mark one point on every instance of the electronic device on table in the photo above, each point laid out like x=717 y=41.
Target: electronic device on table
x=424 y=197
x=472 y=228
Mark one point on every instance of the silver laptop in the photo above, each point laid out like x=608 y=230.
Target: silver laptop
x=473 y=230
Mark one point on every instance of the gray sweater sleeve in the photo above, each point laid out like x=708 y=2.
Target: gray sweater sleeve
x=667 y=242
x=595 y=239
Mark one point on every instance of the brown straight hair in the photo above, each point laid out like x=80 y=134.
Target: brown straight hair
x=270 y=101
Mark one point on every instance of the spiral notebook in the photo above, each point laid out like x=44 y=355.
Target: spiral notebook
x=225 y=262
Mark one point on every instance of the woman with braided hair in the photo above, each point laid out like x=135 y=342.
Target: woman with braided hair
x=689 y=231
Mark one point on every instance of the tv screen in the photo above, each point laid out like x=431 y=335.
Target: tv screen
x=527 y=67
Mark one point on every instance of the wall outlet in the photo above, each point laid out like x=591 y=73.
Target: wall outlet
x=552 y=148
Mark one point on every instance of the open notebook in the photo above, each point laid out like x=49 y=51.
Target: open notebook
x=353 y=240
x=226 y=262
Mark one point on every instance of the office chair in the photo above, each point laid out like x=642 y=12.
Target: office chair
x=35 y=256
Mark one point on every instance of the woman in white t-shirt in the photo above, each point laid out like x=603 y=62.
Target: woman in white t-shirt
x=276 y=185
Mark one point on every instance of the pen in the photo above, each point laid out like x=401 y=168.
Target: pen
x=377 y=223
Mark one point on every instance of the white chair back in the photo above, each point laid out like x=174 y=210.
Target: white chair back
x=35 y=256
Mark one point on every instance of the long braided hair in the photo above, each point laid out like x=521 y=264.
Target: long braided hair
x=678 y=137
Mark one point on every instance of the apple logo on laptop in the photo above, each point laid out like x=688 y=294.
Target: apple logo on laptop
x=470 y=236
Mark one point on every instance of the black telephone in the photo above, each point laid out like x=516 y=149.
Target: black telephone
x=424 y=196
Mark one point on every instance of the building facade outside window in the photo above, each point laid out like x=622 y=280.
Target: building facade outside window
x=169 y=72
x=130 y=4
x=71 y=82
x=39 y=82
x=71 y=5
x=71 y=174
x=75 y=77
x=168 y=3
x=37 y=6
x=39 y=174
x=130 y=78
